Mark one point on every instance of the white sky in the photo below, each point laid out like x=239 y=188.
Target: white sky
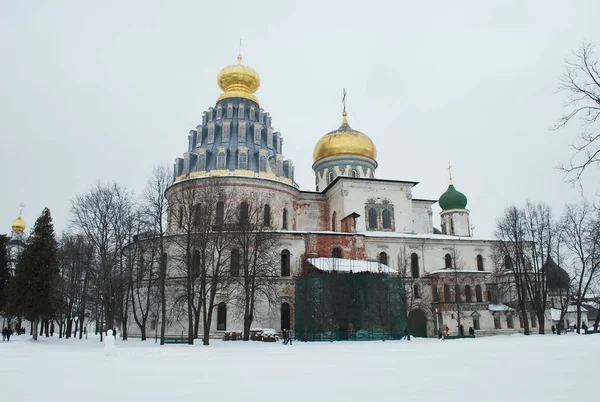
x=106 y=90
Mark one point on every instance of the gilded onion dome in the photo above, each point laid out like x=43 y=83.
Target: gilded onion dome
x=238 y=81
x=344 y=141
x=18 y=226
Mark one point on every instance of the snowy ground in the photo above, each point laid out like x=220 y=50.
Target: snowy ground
x=502 y=368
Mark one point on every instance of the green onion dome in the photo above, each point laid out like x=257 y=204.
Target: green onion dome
x=452 y=199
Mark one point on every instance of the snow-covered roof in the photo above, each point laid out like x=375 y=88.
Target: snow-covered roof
x=459 y=271
x=345 y=265
x=429 y=236
x=499 y=307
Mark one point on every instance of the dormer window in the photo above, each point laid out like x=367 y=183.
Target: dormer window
x=241 y=111
x=221 y=159
x=201 y=165
x=257 y=130
x=260 y=114
x=230 y=111
x=226 y=130
x=262 y=163
x=241 y=131
x=252 y=113
x=211 y=133
x=243 y=160
x=210 y=114
x=279 y=168
x=270 y=137
x=219 y=112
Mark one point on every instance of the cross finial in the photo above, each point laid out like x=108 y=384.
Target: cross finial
x=21 y=205
x=449 y=172
x=239 y=58
x=344 y=99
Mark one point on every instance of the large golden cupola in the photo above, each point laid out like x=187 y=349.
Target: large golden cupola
x=238 y=81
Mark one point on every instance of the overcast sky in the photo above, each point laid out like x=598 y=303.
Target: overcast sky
x=106 y=90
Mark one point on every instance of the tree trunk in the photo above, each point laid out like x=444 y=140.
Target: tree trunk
x=578 y=317
x=34 y=326
x=541 y=324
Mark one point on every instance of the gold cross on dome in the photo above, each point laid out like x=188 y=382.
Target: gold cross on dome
x=344 y=100
x=450 y=172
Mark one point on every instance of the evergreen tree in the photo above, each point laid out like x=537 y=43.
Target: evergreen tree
x=34 y=290
x=3 y=269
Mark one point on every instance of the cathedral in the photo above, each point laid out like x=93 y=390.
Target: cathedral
x=351 y=222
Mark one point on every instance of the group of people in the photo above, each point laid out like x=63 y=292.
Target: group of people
x=287 y=337
x=6 y=333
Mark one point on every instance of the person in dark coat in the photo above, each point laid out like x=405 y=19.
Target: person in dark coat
x=553 y=329
x=9 y=332
x=285 y=336
x=471 y=331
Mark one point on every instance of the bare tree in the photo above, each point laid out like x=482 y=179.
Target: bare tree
x=458 y=279
x=581 y=83
x=581 y=229
x=259 y=260
x=155 y=202
x=411 y=294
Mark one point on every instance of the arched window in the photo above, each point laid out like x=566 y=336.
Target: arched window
x=180 y=217
x=262 y=164
x=372 y=218
x=479 y=262
x=221 y=159
x=285 y=263
x=285 y=219
x=234 y=263
x=414 y=265
x=434 y=293
x=448 y=261
x=267 y=215
x=197 y=214
x=285 y=316
x=416 y=291
x=457 y=297
x=387 y=219
x=478 y=293
x=220 y=213
x=196 y=264
x=222 y=317
x=447 y=293
x=243 y=160
x=383 y=258
x=330 y=177
x=354 y=173
x=508 y=263
x=333 y=222
x=468 y=294
x=337 y=252
x=244 y=213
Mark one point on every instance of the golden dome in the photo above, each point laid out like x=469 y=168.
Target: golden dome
x=344 y=141
x=18 y=225
x=238 y=81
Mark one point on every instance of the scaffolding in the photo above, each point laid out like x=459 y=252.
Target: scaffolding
x=346 y=305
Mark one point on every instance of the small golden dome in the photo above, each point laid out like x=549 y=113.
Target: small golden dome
x=238 y=81
x=344 y=141
x=18 y=225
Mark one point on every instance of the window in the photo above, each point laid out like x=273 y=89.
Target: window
x=434 y=294
x=197 y=214
x=448 y=261
x=284 y=224
x=219 y=112
x=447 y=297
x=414 y=265
x=479 y=262
x=262 y=164
x=229 y=111
x=243 y=160
x=333 y=221
x=279 y=167
x=337 y=252
x=383 y=258
x=267 y=215
x=241 y=111
x=244 y=213
x=221 y=160
x=257 y=134
x=497 y=324
x=478 y=294
x=476 y=323
x=222 y=317
x=509 y=321
x=226 y=131
x=329 y=177
x=180 y=218
x=457 y=297
x=260 y=114
x=387 y=219
x=196 y=264
x=416 y=291
x=489 y=295
x=451 y=225
x=252 y=114
x=354 y=173
x=285 y=263
x=211 y=133
x=220 y=213
x=507 y=262
x=372 y=216
x=468 y=294
x=201 y=162
x=234 y=263
x=241 y=131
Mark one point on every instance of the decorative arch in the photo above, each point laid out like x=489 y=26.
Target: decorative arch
x=337 y=252
x=285 y=263
x=478 y=293
x=383 y=258
x=448 y=261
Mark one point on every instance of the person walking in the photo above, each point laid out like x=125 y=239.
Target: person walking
x=290 y=336
x=285 y=336
x=471 y=331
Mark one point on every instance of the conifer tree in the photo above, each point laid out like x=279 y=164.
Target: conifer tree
x=33 y=292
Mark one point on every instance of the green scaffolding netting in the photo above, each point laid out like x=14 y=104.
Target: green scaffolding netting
x=348 y=306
